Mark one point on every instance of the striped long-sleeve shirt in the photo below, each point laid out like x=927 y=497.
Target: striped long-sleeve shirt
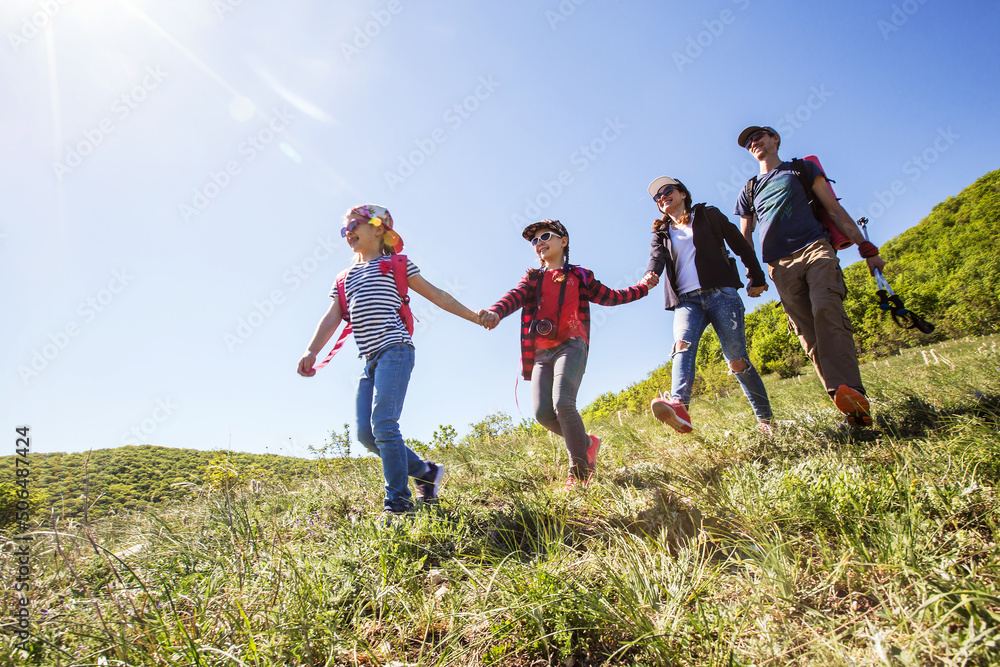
x=524 y=296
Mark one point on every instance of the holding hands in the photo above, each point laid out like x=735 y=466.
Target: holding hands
x=650 y=280
x=488 y=319
x=756 y=291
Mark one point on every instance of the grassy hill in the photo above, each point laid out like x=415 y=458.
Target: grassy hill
x=822 y=546
x=94 y=484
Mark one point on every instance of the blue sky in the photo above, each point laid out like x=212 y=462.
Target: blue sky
x=174 y=176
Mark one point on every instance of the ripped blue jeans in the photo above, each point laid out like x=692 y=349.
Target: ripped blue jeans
x=722 y=308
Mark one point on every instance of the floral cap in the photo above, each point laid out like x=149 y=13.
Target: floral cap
x=379 y=217
x=556 y=226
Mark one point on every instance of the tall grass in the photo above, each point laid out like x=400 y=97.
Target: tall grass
x=825 y=545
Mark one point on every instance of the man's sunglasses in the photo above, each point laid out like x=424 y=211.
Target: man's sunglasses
x=756 y=136
x=664 y=192
x=544 y=237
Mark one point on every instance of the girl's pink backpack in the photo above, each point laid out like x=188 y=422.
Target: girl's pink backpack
x=396 y=264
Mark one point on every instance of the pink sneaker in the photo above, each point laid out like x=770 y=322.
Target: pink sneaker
x=672 y=413
x=595 y=446
x=572 y=484
x=853 y=404
x=767 y=430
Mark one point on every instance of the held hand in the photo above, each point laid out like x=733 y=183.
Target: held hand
x=306 y=364
x=488 y=319
x=650 y=280
x=875 y=262
x=755 y=292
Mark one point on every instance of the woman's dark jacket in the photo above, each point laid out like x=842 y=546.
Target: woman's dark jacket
x=715 y=266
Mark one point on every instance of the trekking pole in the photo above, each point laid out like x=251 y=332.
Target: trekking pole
x=889 y=300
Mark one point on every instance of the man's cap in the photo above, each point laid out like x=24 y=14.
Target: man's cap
x=556 y=226
x=658 y=184
x=379 y=216
x=753 y=129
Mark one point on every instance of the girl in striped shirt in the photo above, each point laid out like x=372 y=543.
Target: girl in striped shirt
x=373 y=302
x=555 y=338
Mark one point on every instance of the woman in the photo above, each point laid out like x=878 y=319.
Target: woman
x=701 y=288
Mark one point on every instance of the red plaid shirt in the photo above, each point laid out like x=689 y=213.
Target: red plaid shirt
x=525 y=294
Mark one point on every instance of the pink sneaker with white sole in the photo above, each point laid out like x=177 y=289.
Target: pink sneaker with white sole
x=672 y=413
x=595 y=447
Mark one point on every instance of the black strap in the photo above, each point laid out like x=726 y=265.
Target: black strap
x=748 y=191
x=562 y=295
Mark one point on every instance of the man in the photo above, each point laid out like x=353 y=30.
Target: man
x=803 y=265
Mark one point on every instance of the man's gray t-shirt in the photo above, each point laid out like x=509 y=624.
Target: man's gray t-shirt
x=784 y=217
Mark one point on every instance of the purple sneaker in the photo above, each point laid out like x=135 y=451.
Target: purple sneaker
x=429 y=485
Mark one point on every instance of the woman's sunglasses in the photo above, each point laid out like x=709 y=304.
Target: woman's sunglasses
x=544 y=237
x=663 y=193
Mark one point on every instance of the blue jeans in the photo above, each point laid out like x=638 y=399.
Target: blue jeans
x=723 y=309
x=555 y=381
x=381 y=390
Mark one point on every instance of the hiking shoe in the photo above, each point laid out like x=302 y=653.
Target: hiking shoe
x=391 y=515
x=672 y=413
x=595 y=446
x=767 y=430
x=854 y=404
x=427 y=488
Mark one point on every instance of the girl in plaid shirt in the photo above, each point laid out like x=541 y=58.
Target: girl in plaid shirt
x=555 y=338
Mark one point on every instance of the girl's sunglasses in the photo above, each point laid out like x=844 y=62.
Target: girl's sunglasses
x=544 y=237
x=350 y=227
x=664 y=192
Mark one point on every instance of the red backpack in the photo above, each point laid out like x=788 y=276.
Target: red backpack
x=396 y=264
